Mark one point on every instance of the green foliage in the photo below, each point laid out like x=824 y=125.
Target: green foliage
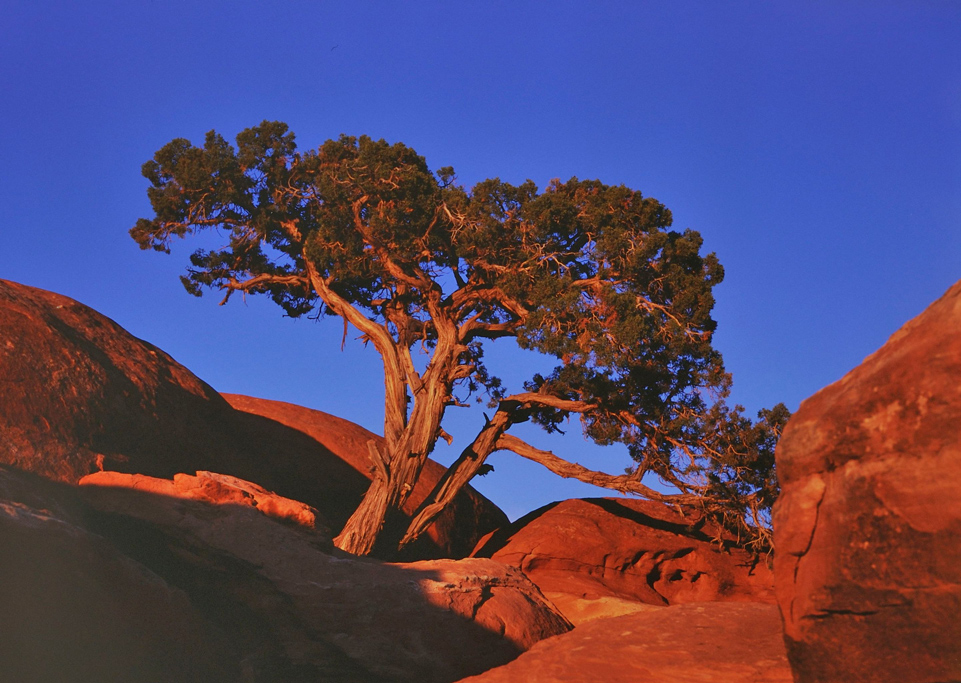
x=587 y=273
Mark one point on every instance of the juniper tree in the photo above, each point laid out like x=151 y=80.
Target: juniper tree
x=585 y=273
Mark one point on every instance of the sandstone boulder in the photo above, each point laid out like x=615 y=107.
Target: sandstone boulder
x=605 y=556
x=708 y=642
x=81 y=394
x=294 y=607
x=868 y=525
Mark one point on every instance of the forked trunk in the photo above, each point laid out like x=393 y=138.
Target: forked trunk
x=395 y=475
x=409 y=439
x=388 y=491
x=457 y=476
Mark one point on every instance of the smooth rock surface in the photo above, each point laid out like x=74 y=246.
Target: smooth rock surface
x=295 y=608
x=693 y=643
x=868 y=525
x=603 y=556
x=81 y=394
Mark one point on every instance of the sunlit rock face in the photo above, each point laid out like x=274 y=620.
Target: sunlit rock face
x=79 y=394
x=221 y=491
x=602 y=556
x=711 y=642
x=868 y=526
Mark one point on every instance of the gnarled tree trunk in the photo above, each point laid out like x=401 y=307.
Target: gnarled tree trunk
x=457 y=476
x=394 y=478
x=409 y=440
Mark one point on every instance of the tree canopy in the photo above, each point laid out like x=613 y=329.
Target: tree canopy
x=586 y=273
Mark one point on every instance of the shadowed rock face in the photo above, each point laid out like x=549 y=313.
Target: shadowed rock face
x=75 y=609
x=80 y=394
x=327 y=616
x=602 y=556
x=868 y=525
x=709 y=642
x=131 y=578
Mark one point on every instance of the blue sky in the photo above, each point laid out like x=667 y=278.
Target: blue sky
x=815 y=145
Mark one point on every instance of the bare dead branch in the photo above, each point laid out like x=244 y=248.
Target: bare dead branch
x=625 y=483
x=531 y=398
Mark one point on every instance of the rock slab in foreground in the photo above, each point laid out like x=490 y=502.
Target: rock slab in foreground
x=602 y=556
x=74 y=609
x=692 y=643
x=295 y=609
x=216 y=489
x=868 y=525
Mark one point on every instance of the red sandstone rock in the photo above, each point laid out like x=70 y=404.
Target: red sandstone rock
x=707 y=642
x=603 y=556
x=218 y=489
x=80 y=394
x=333 y=617
x=868 y=525
x=74 y=609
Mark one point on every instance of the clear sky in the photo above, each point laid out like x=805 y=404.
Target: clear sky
x=815 y=145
